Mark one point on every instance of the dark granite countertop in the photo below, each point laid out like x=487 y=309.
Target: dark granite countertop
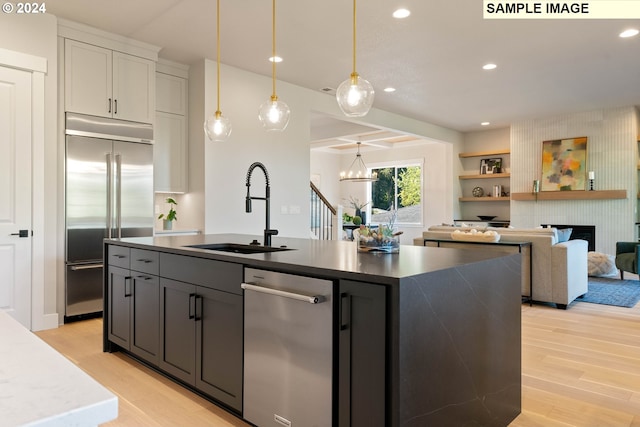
x=331 y=259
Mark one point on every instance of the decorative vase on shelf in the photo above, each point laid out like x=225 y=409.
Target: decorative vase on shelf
x=167 y=225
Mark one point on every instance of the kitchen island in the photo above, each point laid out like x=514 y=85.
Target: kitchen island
x=424 y=337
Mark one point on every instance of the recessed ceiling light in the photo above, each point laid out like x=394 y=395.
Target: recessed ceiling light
x=389 y=89
x=489 y=66
x=401 y=13
x=275 y=59
x=485 y=123
x=629 y=33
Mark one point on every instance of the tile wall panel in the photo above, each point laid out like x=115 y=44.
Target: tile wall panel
x=612 y=153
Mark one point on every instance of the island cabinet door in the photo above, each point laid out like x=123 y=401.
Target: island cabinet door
x=361 y=355
x=145 y=316
x=219 y=346
x=119 y=307
x=177 y=329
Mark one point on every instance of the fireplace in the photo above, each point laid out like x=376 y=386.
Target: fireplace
x=580 y=232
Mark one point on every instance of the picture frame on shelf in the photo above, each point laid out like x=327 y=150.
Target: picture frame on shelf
x=491 y=165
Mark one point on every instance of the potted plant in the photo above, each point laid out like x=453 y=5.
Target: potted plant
x=167 y=220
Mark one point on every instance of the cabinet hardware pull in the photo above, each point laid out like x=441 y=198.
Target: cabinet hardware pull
x=345 y=311
x=192 y=297
x=119 y=256
x=311 y=299
x=115 y=110
x=109 y=106
x=127 y=281
x=146 y=261
x=198 y=317
x=144 y=277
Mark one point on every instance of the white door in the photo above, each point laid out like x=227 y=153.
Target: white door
x=15 y=193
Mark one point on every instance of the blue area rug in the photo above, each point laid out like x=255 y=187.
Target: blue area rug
x=610 y=291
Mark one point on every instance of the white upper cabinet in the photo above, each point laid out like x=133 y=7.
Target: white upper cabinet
x=171 y=94
x=170 y=151
x=102 y=82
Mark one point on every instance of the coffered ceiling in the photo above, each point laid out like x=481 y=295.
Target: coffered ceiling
x=433 y=58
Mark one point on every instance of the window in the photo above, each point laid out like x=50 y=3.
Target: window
x=397 y=186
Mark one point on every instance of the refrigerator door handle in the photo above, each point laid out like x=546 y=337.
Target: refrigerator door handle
x=109 y=191
x=85 y=267
x=119 y=195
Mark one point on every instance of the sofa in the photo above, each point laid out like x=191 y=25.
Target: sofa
x=558 y=269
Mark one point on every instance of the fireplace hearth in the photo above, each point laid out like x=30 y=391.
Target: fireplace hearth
x=580 y=232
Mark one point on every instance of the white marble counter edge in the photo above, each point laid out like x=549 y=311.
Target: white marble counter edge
x=40 y=387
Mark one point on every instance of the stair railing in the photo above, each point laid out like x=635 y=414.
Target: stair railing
x=322 y=216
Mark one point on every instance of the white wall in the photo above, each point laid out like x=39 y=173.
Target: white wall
x=612 y=153
x=37 y=35
x=286 y=154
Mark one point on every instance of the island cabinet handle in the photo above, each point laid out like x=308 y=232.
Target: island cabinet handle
x=311 y=299
x=192 y=306
x=146 y=261
x=198 y=308
x=345 y=311
x=143 y=277
x=119 y=256
x=127 y=284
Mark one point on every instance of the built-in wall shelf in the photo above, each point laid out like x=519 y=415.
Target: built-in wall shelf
x=571 y=195
x=484 y=153
x=485 y=176
x=484 y=199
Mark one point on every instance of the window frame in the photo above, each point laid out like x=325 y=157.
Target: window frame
x=397 y=164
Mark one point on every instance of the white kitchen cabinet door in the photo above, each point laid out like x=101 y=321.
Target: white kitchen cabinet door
x=105 y=83
x=170 y=153
x=133 y=88
x=171 y=94
x=88 y=79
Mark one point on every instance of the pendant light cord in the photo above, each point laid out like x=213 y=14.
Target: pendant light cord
x=218 y=54
x=354 y=36
x=273 y=57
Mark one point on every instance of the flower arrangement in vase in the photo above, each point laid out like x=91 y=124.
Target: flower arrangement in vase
x=357 y=207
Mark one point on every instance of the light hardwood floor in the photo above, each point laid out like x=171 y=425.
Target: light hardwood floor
x=580 y=367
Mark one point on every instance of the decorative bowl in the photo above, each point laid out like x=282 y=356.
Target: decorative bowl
x=486 y=217
x=388 y=245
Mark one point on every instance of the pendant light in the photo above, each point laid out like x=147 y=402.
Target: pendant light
x=274 y=114
x=355 y=95
x=218 y=127
x=358 y=171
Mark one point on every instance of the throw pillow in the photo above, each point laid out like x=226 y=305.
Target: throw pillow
x=564 y=234
x=601 y=265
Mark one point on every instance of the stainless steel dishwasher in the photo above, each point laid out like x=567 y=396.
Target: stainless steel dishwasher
x=288 y=349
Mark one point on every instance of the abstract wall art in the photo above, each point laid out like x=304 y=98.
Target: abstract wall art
x=564 y=164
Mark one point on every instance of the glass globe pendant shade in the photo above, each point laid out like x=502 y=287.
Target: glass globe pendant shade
x=355 y=96
x=274 y=114
x=217 y=127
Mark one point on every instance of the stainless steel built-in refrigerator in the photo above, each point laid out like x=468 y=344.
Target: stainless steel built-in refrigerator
x=109 y=194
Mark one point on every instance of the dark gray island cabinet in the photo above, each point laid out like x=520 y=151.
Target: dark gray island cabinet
x=426 y=337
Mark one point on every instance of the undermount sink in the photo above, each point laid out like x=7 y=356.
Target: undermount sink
x=239 y=248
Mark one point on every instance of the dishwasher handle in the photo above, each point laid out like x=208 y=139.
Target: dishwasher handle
x=311 y=299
